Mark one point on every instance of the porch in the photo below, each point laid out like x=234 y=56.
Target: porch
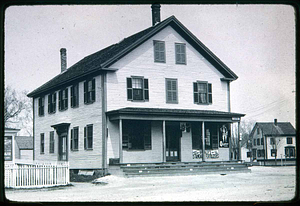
x=172 y=138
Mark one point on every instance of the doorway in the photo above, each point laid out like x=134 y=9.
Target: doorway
x=62 y=147
x=173 y=134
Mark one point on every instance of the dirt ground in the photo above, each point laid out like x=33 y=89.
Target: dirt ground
x=262 y=184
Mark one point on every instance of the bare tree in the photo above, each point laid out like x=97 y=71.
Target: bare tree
x=17 y=110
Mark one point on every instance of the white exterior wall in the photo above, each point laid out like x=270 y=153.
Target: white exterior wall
x=26 y=154
x=78 y=117
x=281 y=144
x=140 y=62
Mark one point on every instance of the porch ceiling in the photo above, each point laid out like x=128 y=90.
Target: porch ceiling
x=173 y=114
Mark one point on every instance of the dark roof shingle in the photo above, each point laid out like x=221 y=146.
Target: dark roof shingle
x=282 y=128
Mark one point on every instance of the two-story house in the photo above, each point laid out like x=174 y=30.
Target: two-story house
x=159 y=95
x=273 y=141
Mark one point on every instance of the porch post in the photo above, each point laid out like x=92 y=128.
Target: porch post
x=203 y=141
x=120 y=141
x=239 y=141
x=164 y=141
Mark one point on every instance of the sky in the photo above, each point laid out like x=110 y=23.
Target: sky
x=257 y=42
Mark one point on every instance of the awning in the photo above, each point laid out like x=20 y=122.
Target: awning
x=173 y=114
x=61 y=127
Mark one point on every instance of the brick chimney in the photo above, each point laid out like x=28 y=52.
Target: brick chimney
x=63 y=58
x=155 y=13
x=275 y=122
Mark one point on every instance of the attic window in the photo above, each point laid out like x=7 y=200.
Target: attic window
x=180 y=54
x=159 y=51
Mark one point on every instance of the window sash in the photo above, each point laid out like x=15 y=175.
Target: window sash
x=202 y=92
x=289 y=140
x=74 y=96
x=42 y=143
x=180 y=53
x=74 y=138
x=159 y=51
x=88 y=137
x=41 y=106
x=89 y=91
x=137 y=89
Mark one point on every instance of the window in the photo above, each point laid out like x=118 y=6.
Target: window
x=52 y=103
x=254 y=153
x=254 y=142
x=290 y=151
x=289 y=140
x=202 y=93
x=258 y=142
x=272 y=141
x=89 y=91
x=88 y=137
x=74 y=96
x=41 y=106
x=260 y=153
x=136 y=138
x=273 y=152
x=180 y=54
x=74 y=138
x=42 y=142
x=159 y=51
x=171 y=91
x=63 y=99
x=8 y=149
x=258 y=131
x=137 y=89
x=262 y=141
x=51 y=149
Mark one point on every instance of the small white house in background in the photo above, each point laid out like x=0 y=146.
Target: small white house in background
x=245 y=154
x=24 y=147
x=274 y=141
x=9 y=144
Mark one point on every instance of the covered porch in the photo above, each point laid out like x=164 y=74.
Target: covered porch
x=154 y=135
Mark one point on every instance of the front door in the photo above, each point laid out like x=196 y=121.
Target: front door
x=62 y=148
x=173 y=134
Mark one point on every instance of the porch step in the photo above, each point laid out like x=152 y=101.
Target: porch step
x=179 y=168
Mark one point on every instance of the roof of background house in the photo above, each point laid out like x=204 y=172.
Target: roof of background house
x=270 y=129
x=8 y=128
x=24 y=142
x=102 y=59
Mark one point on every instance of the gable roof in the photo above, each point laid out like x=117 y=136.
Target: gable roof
x=102 y=59
x=24 y=142
x=270 y=129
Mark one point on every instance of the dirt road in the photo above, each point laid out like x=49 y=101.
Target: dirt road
x=262 y=184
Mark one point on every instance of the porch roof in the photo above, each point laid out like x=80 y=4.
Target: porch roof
x=173 y=114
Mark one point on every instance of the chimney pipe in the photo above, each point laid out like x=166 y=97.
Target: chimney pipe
x=155 y=13
x=275 y=122
x=63 y=58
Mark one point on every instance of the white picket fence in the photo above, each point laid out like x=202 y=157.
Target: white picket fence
x=35 y=175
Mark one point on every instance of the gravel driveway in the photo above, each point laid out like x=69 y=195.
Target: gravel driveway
x=262 y=184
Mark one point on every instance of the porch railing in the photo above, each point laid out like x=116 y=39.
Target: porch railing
x=36 y=174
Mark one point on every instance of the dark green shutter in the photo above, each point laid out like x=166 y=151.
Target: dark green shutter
x=196 y=94
x=146 y=89
x=60 y=100
x=49 y=103
x=85 y=92
x=129 y=89
x=54 y=102
x=66 y=99
x=93 y=90
x=209 y=93
x=72 y=139
x=85 y=137
x=72 y=96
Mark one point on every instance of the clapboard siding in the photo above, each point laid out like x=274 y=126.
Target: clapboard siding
x=140 y=62
x=77 y=117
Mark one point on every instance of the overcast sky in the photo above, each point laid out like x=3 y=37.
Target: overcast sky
x=257 y=42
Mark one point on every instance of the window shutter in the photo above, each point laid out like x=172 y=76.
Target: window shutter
x=129 y=89
x=66 y=99
x=85 y=92
x=72 y=96
x=209 y=92
x=54 y=102
x=84 y=137
x=49 y=103
x=60 y=100
x=72 y=139
x=93 y=90
x=146 y=89
x=196 y=94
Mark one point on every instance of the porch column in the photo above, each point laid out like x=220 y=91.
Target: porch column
x=164 y=141
x=239 y=141
x=120 y=141
x=203 y=142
